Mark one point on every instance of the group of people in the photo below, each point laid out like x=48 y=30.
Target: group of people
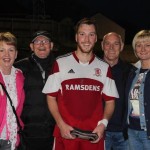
x=53 y=96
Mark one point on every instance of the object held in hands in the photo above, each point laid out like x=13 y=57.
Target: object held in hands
x=82 y=134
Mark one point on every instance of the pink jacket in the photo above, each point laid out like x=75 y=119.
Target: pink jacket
x=20 y=95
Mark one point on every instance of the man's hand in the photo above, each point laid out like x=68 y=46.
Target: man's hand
x=65 y=131
x=100 y=129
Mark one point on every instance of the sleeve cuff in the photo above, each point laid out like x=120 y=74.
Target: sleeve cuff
x=103 y=121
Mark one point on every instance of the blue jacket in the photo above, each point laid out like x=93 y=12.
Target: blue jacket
x=146 y=96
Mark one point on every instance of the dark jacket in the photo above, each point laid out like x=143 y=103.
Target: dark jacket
x=120 y=72
x=36 y=116
x=146 y=96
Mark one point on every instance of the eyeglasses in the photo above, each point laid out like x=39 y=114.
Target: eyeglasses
x=38 y=42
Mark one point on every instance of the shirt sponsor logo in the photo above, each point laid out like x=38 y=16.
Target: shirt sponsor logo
x=82 y=87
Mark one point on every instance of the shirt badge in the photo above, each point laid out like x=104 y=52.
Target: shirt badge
x=97 y=72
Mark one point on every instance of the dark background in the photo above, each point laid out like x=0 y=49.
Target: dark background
x=133 y=15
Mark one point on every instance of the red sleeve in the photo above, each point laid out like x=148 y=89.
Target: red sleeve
x=55 y=67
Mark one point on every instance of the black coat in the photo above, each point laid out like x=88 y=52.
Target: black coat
x=36 y=116
x=120 y=73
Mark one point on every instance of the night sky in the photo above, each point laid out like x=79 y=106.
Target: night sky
x=130 y=14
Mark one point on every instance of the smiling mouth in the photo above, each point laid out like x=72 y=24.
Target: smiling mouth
x=41 y=49
x=6 y=59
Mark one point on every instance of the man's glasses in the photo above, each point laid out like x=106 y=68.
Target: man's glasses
x=38 y=42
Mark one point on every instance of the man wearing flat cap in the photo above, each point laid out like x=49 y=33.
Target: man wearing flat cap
x=38 y=122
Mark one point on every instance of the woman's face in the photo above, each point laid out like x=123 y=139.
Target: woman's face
x=8 y=54
x=142 y=49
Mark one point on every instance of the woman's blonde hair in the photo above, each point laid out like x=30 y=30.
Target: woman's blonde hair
x=9 y=38
x=143 y=35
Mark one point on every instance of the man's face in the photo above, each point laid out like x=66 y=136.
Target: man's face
x=41 y=47
x=86 y=38
x=112 y=46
